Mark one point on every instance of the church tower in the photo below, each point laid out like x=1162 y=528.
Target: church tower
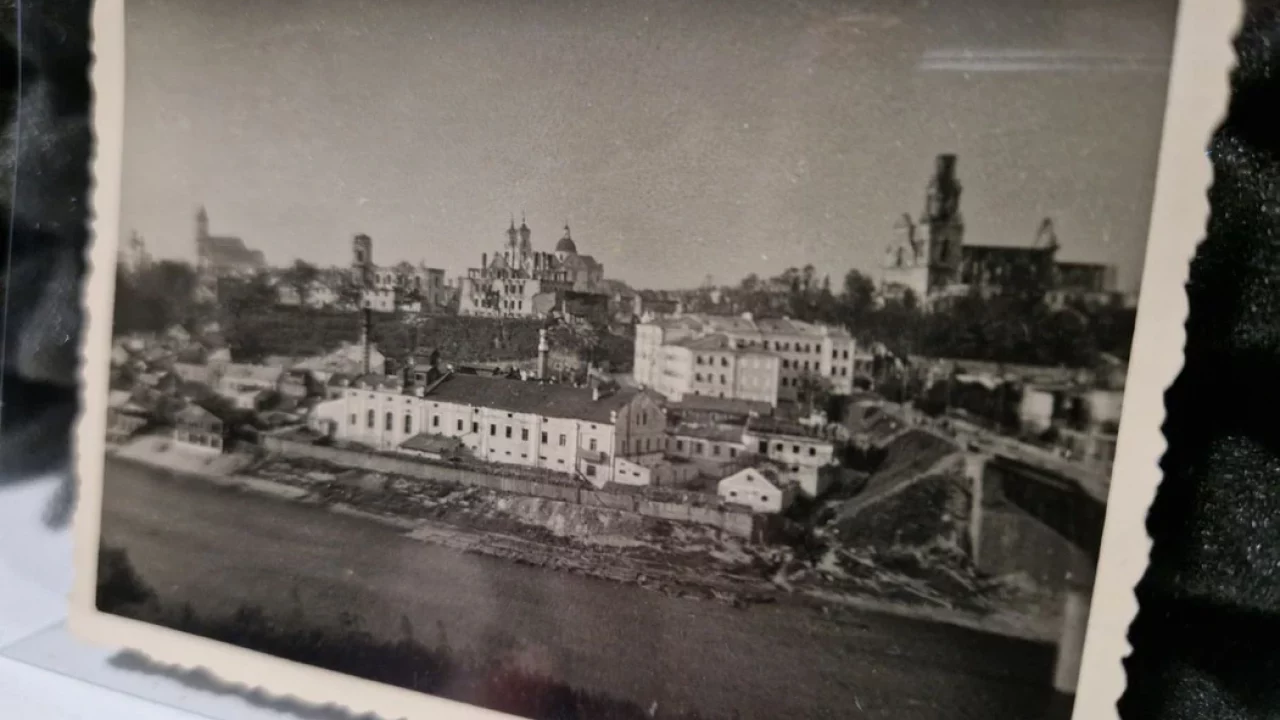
x=202 y=224
x=944 y=223
x=526 y=246
x=361 y=252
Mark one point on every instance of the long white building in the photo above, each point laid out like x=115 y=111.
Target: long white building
x=741 y=357
x=578 y=431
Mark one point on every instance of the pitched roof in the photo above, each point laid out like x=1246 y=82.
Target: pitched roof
x=548 y=400
x=775 y=426
x=229 y=252
x=427 y=442
x=745 y=324
x=719 y=433
x=260 y=373
x=710 y=403
x=374 y=381
x=195 y=413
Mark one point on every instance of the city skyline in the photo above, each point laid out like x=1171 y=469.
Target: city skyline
x=624 y=122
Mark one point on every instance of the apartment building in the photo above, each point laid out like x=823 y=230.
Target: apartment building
x=741 y=357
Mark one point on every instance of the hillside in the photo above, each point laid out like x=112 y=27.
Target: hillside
x=288 y=331
x=295 y=333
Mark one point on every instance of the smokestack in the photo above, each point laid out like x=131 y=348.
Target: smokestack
x=543 y=348
x=484 y=260
x=365 y=332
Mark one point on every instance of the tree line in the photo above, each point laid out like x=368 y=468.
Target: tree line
x=1013 y=324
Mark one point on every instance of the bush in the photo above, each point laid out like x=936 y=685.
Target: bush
x=119 y=585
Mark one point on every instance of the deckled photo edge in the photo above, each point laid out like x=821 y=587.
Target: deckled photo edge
x=1197 y=97
x=1203 y=57
x=229 y=664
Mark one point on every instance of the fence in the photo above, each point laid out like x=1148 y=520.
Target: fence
x=733 y=521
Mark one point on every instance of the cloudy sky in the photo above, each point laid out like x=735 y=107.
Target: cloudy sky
x=678 y=138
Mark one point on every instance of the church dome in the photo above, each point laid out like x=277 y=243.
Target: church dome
x=566 y=244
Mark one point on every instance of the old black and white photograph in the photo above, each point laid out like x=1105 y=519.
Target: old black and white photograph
x=729 y=360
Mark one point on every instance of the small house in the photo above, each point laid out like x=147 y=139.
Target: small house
x=124 y=416
x=759 y=488
x=196 y=427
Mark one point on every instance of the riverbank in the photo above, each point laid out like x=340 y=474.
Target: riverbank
x=679 y=559
x=675 y=559
x=220 y=549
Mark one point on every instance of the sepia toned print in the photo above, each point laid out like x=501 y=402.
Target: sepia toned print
x=616 y=360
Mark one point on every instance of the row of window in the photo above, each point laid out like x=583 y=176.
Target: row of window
x=389 y=425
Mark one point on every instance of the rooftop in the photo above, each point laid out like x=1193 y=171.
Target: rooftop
x=547 y=400
x=775 y=426
x=719 y=433
x=745 y=324
x=261 y=373
x=709 y=403
x=229 y=252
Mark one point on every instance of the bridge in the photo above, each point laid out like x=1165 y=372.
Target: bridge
x=1036 y=514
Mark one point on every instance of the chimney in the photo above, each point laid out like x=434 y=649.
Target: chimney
x=595 y=391
x=365 y=332
x=484 y=260
x=543 y=347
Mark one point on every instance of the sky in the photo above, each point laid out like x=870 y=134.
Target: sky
x=678 y=138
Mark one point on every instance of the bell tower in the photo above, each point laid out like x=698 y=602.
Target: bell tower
x=944 y=223
x=361 y=252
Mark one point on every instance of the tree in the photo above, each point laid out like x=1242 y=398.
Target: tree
x=858 y=297
x=300 y=277
x=813 y=392
x=155 y=297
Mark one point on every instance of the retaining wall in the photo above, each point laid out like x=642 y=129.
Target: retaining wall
x=735 y=522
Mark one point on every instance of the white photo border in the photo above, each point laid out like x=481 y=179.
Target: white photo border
x=1197 y=99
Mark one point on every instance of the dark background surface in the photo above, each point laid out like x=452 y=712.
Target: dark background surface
x=1205 y=638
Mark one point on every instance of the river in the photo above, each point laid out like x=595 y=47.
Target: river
x=219 y=548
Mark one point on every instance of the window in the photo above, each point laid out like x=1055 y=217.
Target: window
x=723 y=381
x=845 y=354
x=795 y=449
x=835 y=354
x=459 y=425
x=785 y=364
x=370 y=420
x=435 y=421
x=475 y=427
x=408 y=424
x=592 y=444
x=493 y=430
x=591 y=470
x=698 y=377
x=644 y=418
x=733 y=452
x=353 y=418
x=508 y=431
x=563 y=440
x=697 y=447
x=764 y=447
x=680 y=445
x=806 y=364
x=699 y=360
x=524 y=433
x=390 y=422
x=724 y=362
x=813 y=451
x=778 y=447
x=544 y=436
x=715 y=450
